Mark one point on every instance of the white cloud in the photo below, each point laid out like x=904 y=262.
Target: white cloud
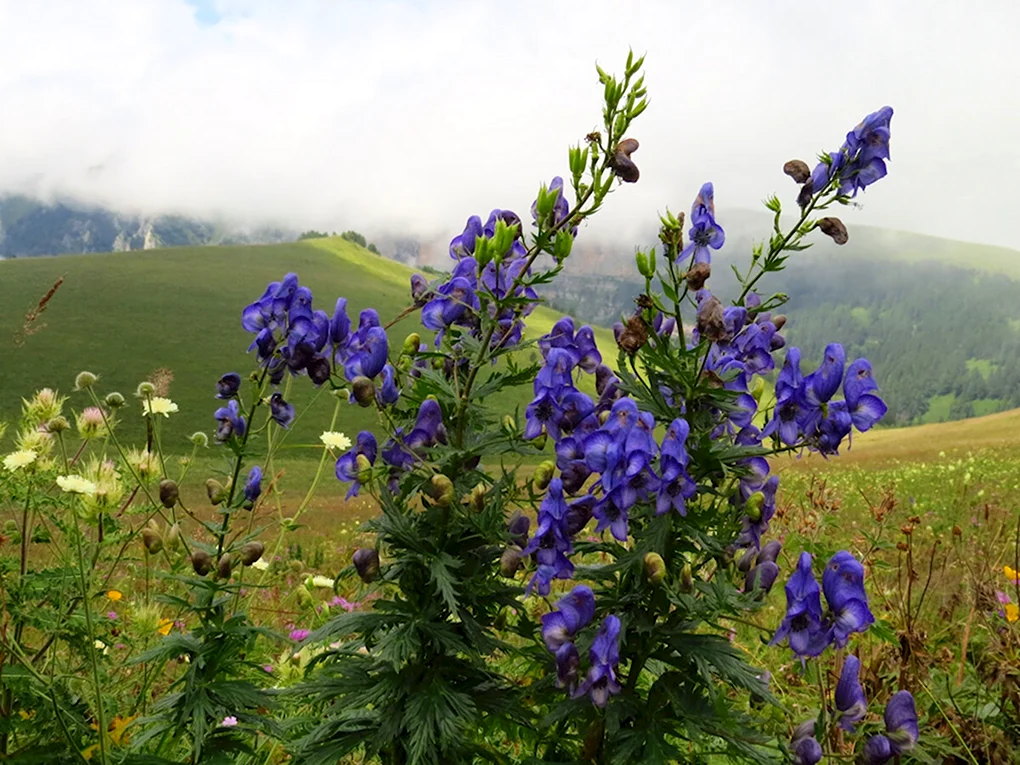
x=413 y=115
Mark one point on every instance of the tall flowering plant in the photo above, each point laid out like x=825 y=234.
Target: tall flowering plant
x=600 y=631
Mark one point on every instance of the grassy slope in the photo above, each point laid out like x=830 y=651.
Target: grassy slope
x=122 y=315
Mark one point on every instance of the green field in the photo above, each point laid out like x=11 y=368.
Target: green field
x=124 y=315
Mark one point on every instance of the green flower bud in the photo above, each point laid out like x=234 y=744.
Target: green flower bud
x=758 y=389
x=411 y=343
x=85 y=380
x=539 y=441
x=364 y=468
x=58 y=424
x=215 y=491
x=152 y=540
x=477 y=498
x=753 y=506
x=201 y=561
x=114 y=400
x=364 y=391
x=655 y=568
x=508 y=423
x=199 y=439
x=168 y=493
x=224 y=566
x=173 y=537
x=145 y=389
x=251 y=552
x=544 y=474
x=304 y=597
x=441 y=490
x=686 y=579
x=645 y=266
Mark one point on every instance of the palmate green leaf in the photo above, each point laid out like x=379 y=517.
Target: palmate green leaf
x=356 y=622
x=442 y=578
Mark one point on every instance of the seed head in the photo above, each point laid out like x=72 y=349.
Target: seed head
x=797 y=170
x=85 y=380
x=201 y=561
x=834 y=228
x=168 y=493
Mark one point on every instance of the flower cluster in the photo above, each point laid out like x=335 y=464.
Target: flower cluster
x=705 y=234
x=559 y=408
x=552 y=541
x=573 y=613
x=491 y=263
x=860 y=161
x=807 y=630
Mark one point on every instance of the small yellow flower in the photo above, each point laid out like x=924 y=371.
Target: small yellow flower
x=335 y=440
x=27 y=715
x=1011 y=573
x=19 y=459
x=158 y=405
x=1012 y=612
x=118 y=729
x=165 y=625
x=75 y=484
x=114 y=595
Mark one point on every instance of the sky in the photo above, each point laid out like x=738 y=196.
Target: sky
x=410 y=116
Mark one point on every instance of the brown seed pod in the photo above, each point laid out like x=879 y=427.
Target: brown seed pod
x=251 y=552
x=168 y=493
x=698 y=275
x=711 y=323
x=201 y=561
x=634 y=335
x=797 y=170
x=224 y=566
x=621 y=163
x=834 y=227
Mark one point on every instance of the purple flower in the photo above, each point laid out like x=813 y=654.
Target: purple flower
x=802 y=625
x=762 y=576
x=567 y=663
x=463 y=246
x=574 y=612
x=281 y=412
x=232 y=422
x=677 y=485
x=867 y=148
x=347 y=466
x=339 y=324
x=850 y=695
x=298 y=635
x=705 y=233
x=228 y=722
x=843 y=584
x=388 y=393
x=877 y=751
x=901 y=723
x=227 y=386
x=864 y=407
x=806 y=749
x=601 y=680
x=367 y=349
x=551 y=544
x=253 y=486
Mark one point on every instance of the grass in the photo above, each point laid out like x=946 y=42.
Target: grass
x=124 y=315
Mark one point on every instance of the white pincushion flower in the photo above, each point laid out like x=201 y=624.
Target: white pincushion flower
x=322 y=581
x=261 y=564
x=75 y=484
x=19 y=459
x=158 y=405
x=335 y=440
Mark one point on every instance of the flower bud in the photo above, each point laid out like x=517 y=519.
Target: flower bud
x=366 y=562
x=510 y=561
x=655 y=568
x=168 y=493
x=758 y=389
x=114 y=400
x=834 y=227
x=318 y=370
x=364 y=391
x=215 y=491
x=223 y=567
x=698 y=275
x=761 y=577
x=84 y=380
x=518 y=527
x=364 y=468
x=304 y=597
x=544 y=474
x=441 y=490
x=477 y=498
x=642 y=264
x=201 y=561
x=297 y=566
x=770 y=552
x=539 y=441
x=411 y=343
x=745 y=560
x=779 y=321
x=145 y=389
x=152 y=540
x=753 y=506
x=173 y=537
x=251 y=552
x=199 y=439
x=797 y=170
x=621 y=163
x=686 y=579
x=57 y=425
x=509 y=424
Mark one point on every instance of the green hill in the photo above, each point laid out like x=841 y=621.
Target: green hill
x=124 y=315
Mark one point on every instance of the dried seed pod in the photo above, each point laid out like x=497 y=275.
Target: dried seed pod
x=510 y=561
x=633 y=336
x=621 y=163
x=251 y=552
x=779 y=321
x=201 y=561
x=224 y=566
x=215 y=491
x=152 y=540
x=698 y=275
x=834 y=227
x=654 y=568
x=364 y=391
x=173 y=537
x=168 y=493
x=711 y=323
x=797 y=170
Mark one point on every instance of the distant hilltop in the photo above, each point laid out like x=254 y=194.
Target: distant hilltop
x=29 y=228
